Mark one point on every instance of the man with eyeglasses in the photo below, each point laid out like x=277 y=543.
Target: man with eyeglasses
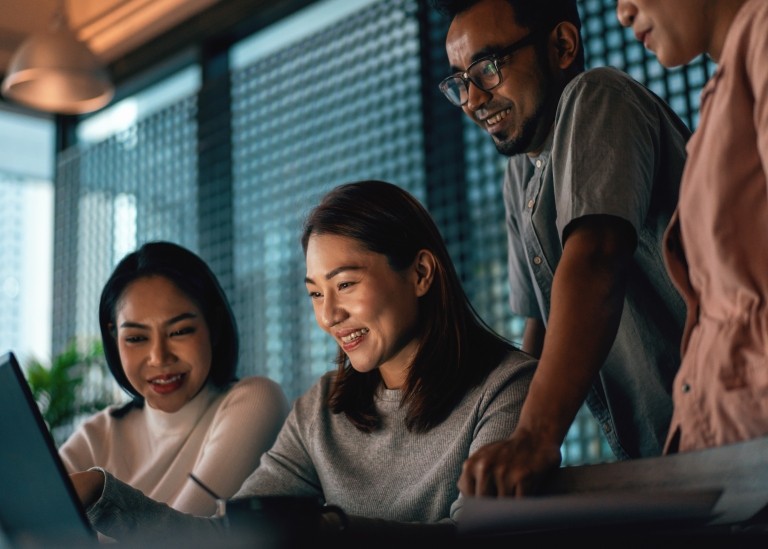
x=595 y=161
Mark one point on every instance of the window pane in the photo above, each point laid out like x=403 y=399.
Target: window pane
x=26 y=235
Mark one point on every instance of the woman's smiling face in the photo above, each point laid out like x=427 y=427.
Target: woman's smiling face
x=163 y=341
x=370 y=309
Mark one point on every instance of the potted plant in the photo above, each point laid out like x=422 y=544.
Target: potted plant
x=75 y=385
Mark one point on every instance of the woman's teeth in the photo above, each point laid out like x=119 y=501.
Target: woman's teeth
x=166 y=380
x=354 y=335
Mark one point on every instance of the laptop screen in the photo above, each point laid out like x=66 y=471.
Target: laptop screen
x=37 y=500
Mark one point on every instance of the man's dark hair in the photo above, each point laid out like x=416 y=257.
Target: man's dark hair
x=535 y=15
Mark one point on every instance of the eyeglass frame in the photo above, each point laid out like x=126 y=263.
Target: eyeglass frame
x=498 y=58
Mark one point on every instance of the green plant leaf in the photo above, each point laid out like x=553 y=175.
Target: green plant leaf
x=55 y=388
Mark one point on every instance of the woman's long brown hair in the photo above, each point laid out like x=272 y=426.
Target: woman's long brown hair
x=456 y=348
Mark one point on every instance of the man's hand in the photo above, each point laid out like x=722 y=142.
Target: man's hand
x=511 y=467
x=89 y=485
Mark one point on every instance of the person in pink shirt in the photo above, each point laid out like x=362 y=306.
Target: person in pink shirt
x=716 y=245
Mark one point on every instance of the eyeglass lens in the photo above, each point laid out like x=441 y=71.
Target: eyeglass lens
x=483 y=73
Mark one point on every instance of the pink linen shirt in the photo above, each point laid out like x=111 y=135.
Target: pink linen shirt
x=716 y=250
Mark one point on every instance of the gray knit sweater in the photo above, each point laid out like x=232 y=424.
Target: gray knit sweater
x=391 y=474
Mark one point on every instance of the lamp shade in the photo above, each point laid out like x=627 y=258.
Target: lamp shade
x=55 y=72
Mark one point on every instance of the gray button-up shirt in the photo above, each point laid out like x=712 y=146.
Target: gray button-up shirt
x=618 y=150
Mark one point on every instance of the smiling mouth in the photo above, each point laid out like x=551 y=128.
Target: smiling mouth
x=349 y=338
x=496 y=118
x=166 y=380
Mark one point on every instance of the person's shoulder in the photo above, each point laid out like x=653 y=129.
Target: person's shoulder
x=254 y=387
x=608 y=86
x=516 y=359
x=606 y=73
x=507 y=382
x=515 y=364
x=250 y=384
x=606 y=77
x=314 y=400
x=322 y=387
x=101 y=416
x=105 y=419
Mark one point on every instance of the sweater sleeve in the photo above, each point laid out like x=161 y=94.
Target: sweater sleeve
x=244 y=427
x=502 y=399
x=499 y=404
x=126 y=514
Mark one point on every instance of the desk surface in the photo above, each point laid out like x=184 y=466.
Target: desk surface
x=718 y=489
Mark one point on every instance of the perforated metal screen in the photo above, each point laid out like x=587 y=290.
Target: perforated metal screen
x=341 y=105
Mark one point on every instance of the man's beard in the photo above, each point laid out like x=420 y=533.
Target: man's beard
x=543 y=116
x=522 y=143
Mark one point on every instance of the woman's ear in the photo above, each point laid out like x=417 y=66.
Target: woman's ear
x=425 y=266
x=566 y=40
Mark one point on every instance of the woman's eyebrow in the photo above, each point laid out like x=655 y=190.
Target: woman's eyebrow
x=330 y=274
x=172 y=320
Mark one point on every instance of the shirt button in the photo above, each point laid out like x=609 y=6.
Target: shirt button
x=537 y=260
x=686 y=388
x=530 y=204
x=538 y=163
x=607 y=428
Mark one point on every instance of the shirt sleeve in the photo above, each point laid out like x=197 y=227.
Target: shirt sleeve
x=605 y=149
x=244 y=427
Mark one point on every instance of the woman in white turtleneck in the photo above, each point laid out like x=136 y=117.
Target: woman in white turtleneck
x=171 y=342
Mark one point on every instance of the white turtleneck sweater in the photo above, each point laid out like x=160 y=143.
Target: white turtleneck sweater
x=218 y=435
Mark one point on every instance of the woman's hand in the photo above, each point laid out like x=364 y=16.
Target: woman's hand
x=89 y=485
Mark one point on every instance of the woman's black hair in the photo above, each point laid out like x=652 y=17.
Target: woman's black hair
x=192 y=276
x=456 y=348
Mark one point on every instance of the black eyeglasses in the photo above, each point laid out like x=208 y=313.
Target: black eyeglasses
x=483 y=73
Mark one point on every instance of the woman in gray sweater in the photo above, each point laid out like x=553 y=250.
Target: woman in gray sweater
x=421 y=382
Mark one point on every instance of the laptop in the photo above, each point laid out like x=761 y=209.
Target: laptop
x=38 y=503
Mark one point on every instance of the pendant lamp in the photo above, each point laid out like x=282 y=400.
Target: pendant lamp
x=55 y=72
